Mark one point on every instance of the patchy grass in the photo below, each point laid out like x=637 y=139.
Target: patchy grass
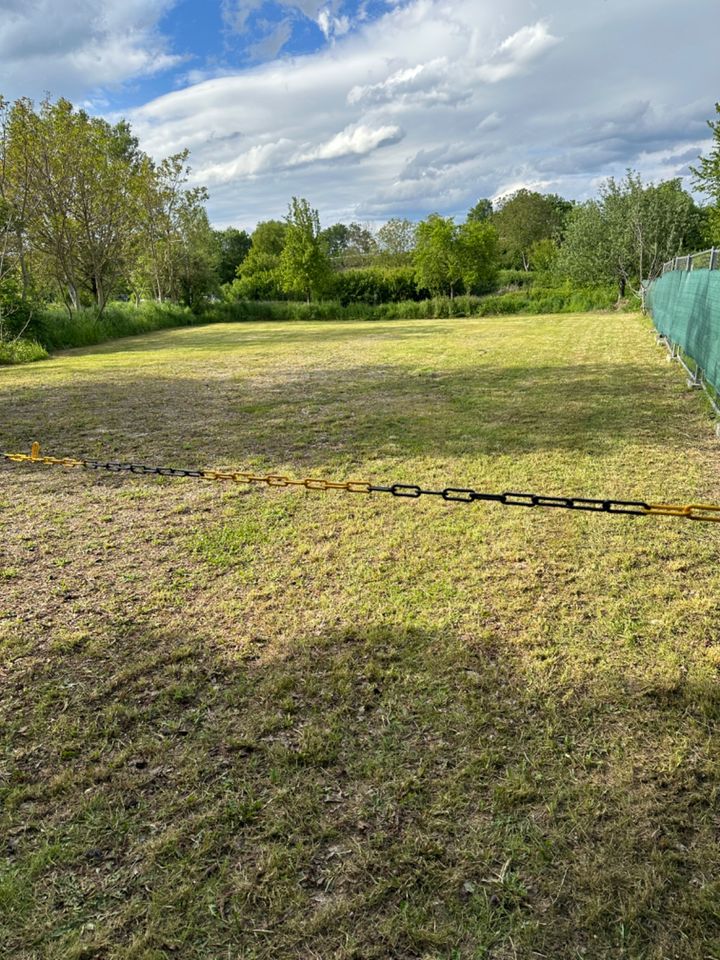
x=283 y=724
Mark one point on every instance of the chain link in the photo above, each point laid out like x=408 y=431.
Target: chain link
x=690 y=511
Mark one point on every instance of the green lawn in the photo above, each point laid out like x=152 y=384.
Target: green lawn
x=282 y=724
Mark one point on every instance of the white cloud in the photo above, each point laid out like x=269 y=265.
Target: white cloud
x=353 y=141
x=439 y=102
x=517 y=52
x=79 y=46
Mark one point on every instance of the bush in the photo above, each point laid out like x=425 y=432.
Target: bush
x=55 y=329
x=515 y=278
x=21 y=351
x=376 y=285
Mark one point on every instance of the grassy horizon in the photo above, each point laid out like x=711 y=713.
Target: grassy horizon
x=283 y=724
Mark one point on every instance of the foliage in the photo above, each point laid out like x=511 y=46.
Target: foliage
x=525 y=217
x=628 y=233
x=21 y=350
x=268 y=238
x=303 y=267
x=349 y=245
x=177 y=255
x=707 y=179
x=562 y=298
x=477 y=251
x=447 y=255
x=335 y=239
x=55 y=329
x=396 y=240
x=543 y=254
x=257 y=275
x=375 y=285
x=91 y=216
x=233 y=246
x=437 y=267
x=482 y=210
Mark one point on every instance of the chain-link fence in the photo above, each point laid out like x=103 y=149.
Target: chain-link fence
x=705 y=260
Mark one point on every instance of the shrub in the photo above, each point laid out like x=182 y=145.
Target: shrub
x=55 y=329
x=21 y=351
x=375 y=285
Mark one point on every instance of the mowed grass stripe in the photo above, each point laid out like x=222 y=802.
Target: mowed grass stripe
x=270 y=723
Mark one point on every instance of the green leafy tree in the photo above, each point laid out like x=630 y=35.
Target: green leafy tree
x=627 y=234
x=269 y=237
x=447 y=254
x=360 y=239
x=81 y=173
x=543 y=254
x=396 y=240
x=258 y=275
x=303 y=267
x=707 y=179
x=233 y=246
x=525 y=217
x=482 y=210
x=438 y=268
x=335 y=239
x=197 y=252
x=476 y=250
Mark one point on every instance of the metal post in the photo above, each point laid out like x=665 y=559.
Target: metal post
x=689 y=262
x=713 y=251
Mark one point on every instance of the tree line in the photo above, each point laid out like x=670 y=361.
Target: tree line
x=86 y=216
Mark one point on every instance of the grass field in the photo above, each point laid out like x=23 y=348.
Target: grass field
x=283 y=724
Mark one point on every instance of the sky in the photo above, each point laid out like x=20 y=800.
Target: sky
x=379 y=108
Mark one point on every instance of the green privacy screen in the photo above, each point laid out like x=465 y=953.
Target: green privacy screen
x=685 y=307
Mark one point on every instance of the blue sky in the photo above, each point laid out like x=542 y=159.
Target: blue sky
x=375 y=109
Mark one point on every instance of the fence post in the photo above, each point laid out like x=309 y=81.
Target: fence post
x=713 y=251
x=689 y=262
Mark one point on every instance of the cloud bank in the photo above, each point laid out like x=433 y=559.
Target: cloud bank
x=407 y=107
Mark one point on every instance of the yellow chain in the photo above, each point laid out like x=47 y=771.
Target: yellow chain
x=279 y=480
x=692 y=511
x=35 y=457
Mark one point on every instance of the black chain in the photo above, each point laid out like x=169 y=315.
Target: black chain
x=513 y=499
x=140 y=468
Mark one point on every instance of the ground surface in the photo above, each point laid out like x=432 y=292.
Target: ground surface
x=275 y=724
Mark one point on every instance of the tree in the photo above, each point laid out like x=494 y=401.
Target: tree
x=482 y=210
x=303 y=267
x=233 y=246
x=360 y=239
x=396 y=240
x=80 y=172
x=543 y=254
x=476 y=250
x=257 y=275
x=269 y=237
x=335 y=239
x=436 y=266
x=627 y=234
x=586 y=256
x=446 y=254
x=197 y=251
x=707 y=179
x=525 y=217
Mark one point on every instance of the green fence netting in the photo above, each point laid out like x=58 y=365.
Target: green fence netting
x=685 y=307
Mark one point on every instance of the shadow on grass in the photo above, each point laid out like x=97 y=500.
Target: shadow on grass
x=333 y=415
x=369 y=792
